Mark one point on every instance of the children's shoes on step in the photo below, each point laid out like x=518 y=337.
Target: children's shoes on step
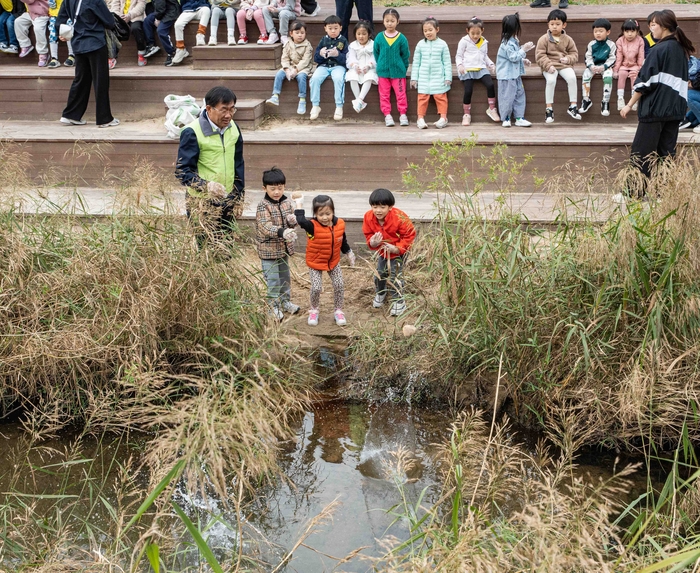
x=315 y=112
x=340 y=317
x=492 y=112
x=313 y=317
x=301 y=108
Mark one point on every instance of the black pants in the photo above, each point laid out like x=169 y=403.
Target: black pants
x=343 y=9
x=309 y=6
x=139 y=35
x=469 y=88
x=90 y=69
x=654 y=139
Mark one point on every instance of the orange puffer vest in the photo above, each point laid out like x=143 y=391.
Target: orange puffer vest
x=323 y=249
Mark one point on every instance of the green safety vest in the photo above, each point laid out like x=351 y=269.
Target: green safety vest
x=216 y=158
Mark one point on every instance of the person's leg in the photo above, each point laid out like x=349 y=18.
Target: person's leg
x=269 y=22
x=316 y=287
x=285 y=280
x=668 y=138
x=384 y=88
x=302 y=78
x=338 y=77
x=319 y=76
x=149 y=29
x=182 y=21
x=487 y=81
x=343 y=9
x=365 y=90
x=79 y=93
x=423 y=100
x=230 y=24
x=270 y=268
x=3 y=27
x=586 y=83
x=441 y=104
x=216 y=14
x=164 y=37
x=467 y=97
x=355 y=87
x=518 y=100
x=22 y=25
x=285 y=17
x=137 y=31
x=259 y=18
x=240 y=18
x=551 y=83
x=506 y=97
x=607 y=84
x=381 y=276
x=280 y=76
x=694 y=105
x=203 y=17
x=338 y=287
x=365 y=11
x=11 y=31
x=645 y=145
x=99 y=67
x=569 y=76
x=395 y=279
x=399 y=86
x=53 y=37
x=621 y=81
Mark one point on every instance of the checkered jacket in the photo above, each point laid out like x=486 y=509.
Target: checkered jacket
x=271 y=219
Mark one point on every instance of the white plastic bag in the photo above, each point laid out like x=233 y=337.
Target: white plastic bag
x=182 y=110
x=174 y=101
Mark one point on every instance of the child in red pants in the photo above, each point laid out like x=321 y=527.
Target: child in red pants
x=391 y=53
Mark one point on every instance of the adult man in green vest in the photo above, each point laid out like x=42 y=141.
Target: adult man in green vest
x=210 y=164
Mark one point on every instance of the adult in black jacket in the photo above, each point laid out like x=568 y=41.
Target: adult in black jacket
x=661 y=89
x=91 y=65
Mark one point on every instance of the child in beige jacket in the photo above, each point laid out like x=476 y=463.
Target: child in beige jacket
x=556 y=55
x=297 y=63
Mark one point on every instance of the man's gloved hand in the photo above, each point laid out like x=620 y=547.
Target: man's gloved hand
x=216 y=190
x=351 y=258
x=289 y=235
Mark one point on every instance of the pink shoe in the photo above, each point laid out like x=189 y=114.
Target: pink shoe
x=24 y=52
x=112 y=63
x=263 y=39
x=313 y=317
x=43 y=60
x=142 y=61
x=340 y=317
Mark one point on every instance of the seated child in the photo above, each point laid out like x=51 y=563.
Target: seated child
x=600 y=59
x=220 y=8
x=431 y=73
x=362 y=68
x=54 y=7
x=133 y=12
x=510 y=67
x=252 y=10
x=556 y=54
x=326 y=241
x=296 y=64
x=330 y=56
x=36 y=17
x=285 y=11
x=649 y=40
x=8 y=39
x=629 y=59
x=474 y=64
x=390 y=233
x=275 y=235
x=163 y=17
x=197 y=10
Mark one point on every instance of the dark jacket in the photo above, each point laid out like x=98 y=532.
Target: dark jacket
x=166 y=10
x=89 y=28
x=663 y=83
x=18 y=8
x=192 y=5
x=188 y=157
x=327 y=42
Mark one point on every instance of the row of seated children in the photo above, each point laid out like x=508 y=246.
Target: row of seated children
x=384 y=62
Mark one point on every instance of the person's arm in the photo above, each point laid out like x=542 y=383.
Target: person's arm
x=446 y=62
x=341 y=58
x=610 y=62
x=571 y=52
x=415 y=66
x=541 y=57
x=367 y=229
x=588 y=58
x=137 y=8
x=407 y=234
x=377 y=49
x=305 y=62
x=238 y=192
x=318 y=58
x=515 y=53
x=404 y=50
x=642 y=84
x=187 y=158
x=345 y=246
x=618 y=55
x=488 y=61
x=459 y=56
x=286 y=62
x=303 y=222
x=264 y=223
x=352 y=58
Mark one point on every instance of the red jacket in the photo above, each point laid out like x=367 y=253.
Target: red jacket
x=397 y=230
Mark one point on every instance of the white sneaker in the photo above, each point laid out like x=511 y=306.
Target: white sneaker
x=317 y=11
x=522 y=122
x=180 y=54
x=338 y=115
x=212 y=40
x=466 y=119
x=340 y=317
x=273 y=100
x=273 y=39
x=440 y=123
x=696 y=129
x=420 y=124
x=284 y=40
x=357 y=105
x=397 y=308
x=619 y=198
x=200 y=40
x=389 y=121
x=313 y=317
x=620 y=103
x=114 y=123
x=493 y=114
x=378 y=301
x=506 y=123
x=290 y=307
x=66 y=121
x=403 y=120
x=277 y=313
x=315 y=112
x=230 y=39
x=634 y=107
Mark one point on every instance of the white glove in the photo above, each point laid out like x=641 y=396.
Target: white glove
x=216 y=190
x=298 y=198
x=323 y=52
x=291 y=220
x=526 y=62
x=376 y=240
x=351 y=258
x=527 y=46
x=288 y=73
x=289 y=235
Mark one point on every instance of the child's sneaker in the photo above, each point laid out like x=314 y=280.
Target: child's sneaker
x=620 y=103
x=212 y=41
x=54 y=63
x=3 y=47
x=315 y=112
x=313 y=317
x=12 y=49
x=244 y=40
x=493 y=114
x=363 y=105
x=274 y=99
x=180 y=54
x=230 y=38
x=440 y=123
x=169 y=61
x=66 y=121
x=263 y=39
x=378 y=301
x=24 y=52
x=572 y=110
x=403 y=120
x=397 y=308
x=605 y=108
x=338 y=115
x=506 y=123
x=585 y=105
x=43 y=60
x=356 y=105
x=150 y=51
x=142 y=60
x=114 y=123
x=549 y=115
x=277 y=313
x=112 y=62
x=522 y=122
x=273 y=38
x=420 y=124
x=290 y=307
x=466 y=119
x=301 y=108
x=200 y=41
x=389 y=121
x=284 y=39
x=340 y=317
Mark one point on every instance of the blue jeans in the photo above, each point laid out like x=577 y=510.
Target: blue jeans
x=693 y=114
x=163 y=33
x=7 y=29
x=337 y=74
x=278 y=279
x=389 y=277
x=279 y=80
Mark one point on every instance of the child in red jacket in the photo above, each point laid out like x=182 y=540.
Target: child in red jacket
x=390 y=232
x=326 y=241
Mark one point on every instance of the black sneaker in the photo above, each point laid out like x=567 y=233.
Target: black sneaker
x=573 y=112
x=541 y=4
x=564 y=4
x=70 y=61
x=150 y=50
x=549 y=115
x=54 y=63
x=605 y=108
x=685 y=124
x=169 y=61
x=585 y=105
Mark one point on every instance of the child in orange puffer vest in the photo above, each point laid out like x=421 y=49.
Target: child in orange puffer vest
x=326 y=241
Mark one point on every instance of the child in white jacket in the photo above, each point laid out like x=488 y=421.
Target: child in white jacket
x=362 y=67
x=473 y=63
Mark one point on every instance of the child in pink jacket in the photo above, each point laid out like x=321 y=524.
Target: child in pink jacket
x=630 y=57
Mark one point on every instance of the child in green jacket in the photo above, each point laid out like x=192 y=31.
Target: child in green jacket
x=391 y=54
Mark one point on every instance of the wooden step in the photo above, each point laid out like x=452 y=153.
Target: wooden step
x=331 y=156
x=247 y=57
